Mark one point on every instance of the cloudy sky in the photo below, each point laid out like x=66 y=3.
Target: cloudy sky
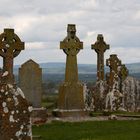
x=41 y=24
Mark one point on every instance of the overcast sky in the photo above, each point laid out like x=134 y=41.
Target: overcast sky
x=42 y=24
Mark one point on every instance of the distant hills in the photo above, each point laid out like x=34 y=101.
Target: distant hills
x=59 y=68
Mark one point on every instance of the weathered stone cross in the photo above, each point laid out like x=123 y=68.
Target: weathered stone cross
x=10 y=47
x=113 y=62
x=71 y=45
x=71 y=91
x=100 y=47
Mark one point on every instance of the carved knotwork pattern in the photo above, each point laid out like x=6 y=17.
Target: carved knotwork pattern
x=8 y=44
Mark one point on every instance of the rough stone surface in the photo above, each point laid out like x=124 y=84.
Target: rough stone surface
x=114 y=100
x=30 y=81
x=128 y=99
x=71 y=91
x=131 y=92
x=10 y=47
x=100 y=47
x=14 y=109
x=108 y=94
x=39 y=116
x=118 y=73
x=113 y=62
x=99 y=91
x=14 y=114
x=88 y=98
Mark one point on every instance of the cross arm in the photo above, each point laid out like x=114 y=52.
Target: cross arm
x=69 y=45
x=100 y=46
x=18 y=46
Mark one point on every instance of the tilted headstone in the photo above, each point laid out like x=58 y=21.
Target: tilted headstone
x=14 y=108
x=30 y=81
x=113 y=62
x=10 y=47
x=100 y=47
x=71 y=91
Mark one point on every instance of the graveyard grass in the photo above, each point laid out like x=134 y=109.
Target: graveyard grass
x=90 y=130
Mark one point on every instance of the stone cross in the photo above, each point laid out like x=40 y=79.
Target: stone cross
x=100 y=47
x=71 y=91
x=113 y=62
x=71 y=46
x=10 y=47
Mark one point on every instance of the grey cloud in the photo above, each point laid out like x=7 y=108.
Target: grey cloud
x=46 y=21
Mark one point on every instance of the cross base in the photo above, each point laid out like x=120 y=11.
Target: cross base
x=71 y=96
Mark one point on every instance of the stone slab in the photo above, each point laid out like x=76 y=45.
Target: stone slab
x=70 y=113
x=30 y=81
x=39 y=115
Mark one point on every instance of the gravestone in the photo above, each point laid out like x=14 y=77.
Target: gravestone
x=100 y=47
x=14 y=108
x=30 y=81
x=71 y=91
x=131 y=92
x=14 y=114
x=10 y=47
x=123 y=73
x=113 y=62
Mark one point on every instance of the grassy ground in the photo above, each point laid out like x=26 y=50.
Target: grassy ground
x=94 y=114
x=50 y=102
x=97 y=130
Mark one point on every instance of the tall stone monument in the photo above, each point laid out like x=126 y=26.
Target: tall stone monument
x=71 y=91
x=10 y=47
x=30 y=81
x=113 y=62
x=100 y=47
x=14 y=108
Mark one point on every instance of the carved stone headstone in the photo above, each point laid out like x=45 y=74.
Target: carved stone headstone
x=10 y=47
x=100 y=47
x=14 y=112
x=30 y=81
x=71 y=91
x=113 y=62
